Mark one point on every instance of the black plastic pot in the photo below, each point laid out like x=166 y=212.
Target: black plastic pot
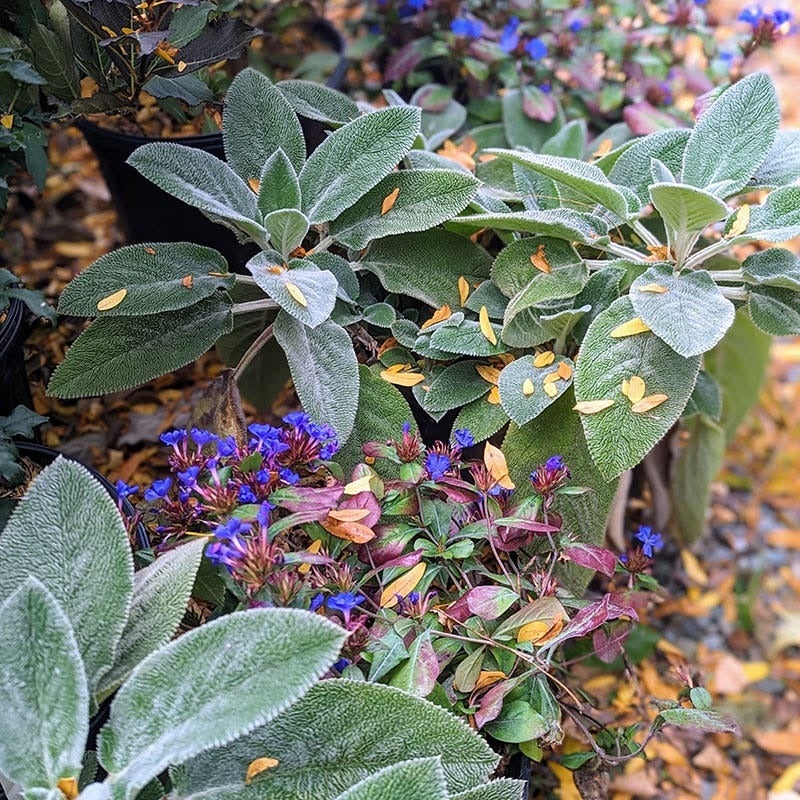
x=148 y=214
x=14 y=387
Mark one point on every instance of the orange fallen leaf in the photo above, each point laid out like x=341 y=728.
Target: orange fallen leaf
x=603 y=149
x=403 y=376
x=313 y=548
x=592 y=406
x=402 y=586
x=112 y=301
x=783 y=743
x=495 y=462
x=527 y=387
x=539 y=260
x=68 y=787
x=629 y=328
x=390 y=200
x=655 y=288
x=648 y=403
x=494 y=396
x=349 y=514
x=258 y=766
x=544 y=359
x=188 y=281
x=254 y=184
x=440 y=315
x=564 y=371
x=463 y=290
x=351 y=531
x=489 y=374
x=488 y=678
x=636 y=389
x=486 y=326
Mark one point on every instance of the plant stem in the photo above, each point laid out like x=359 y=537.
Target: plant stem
x=647 y=236
x=255 y=305
x=735 y=292
x=707 y=252
x=323 y=244
x=622 y=251
x=728 y=275
x=260 y=341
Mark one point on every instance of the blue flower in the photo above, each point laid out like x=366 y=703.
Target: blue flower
x=437 y=464
x=752 y=15
x=173 y=438
x=125 y=489
x=246 y=495
x=650 y=541
x=316 y=601
x=468 y=28
x=344 y=602
x=289 y=476
x=577 y=24
x=406 y=427
x=298 y=419
x=536 y=49
x=230 y=529
x=781 y=16
x=342 y=664
x=262 y=515
x=463 y=437
x=545 y=88
x=554 y=463
x=226 y=447
x=509 y=38
x=189 y=476
x=263 y=476
x=158 y=491
x=201 y=437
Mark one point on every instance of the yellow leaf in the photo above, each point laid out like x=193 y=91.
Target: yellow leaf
x=550 y=389
x=544 y=359
x=314 y=548
x=296 y=294
x=494 y=396
x=655 y=288
x=408 y=378
x=540 y=631
x=440 y=315
x=402 y=586
x=693 y=569
x=495 y=462
x=257 y=767
x=658 y=252
x=181 y=66
x=276 y=269
x=787 y=780
x=625 y=386
x=592 y=406
x=636 y=389
x=362 y=484
x=461 y=154
x=604 y=148
x=489 y=374
x=350 y=531
x=648 y=403
x=68 y=787
x=564 y=371
x=7 y=120
x=112 y=301
x=629 y=328
x=551 y=378
x=740 y=222
x=463 y=290
x=527 y=387
x=254 y=184
x=389 y=200
x=349 y=514
x=486 y=326
x=488 y=677
x=109 y=31
x=539 y=260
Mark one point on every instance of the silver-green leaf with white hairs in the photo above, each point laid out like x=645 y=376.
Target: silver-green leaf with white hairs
x=502 y=789
x=279 y=186
x=420 y=779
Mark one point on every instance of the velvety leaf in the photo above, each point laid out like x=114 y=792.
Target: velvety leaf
x=425 y=199
x=691 y=316
x=324 y=370
x=158 y=278
x=342 y=270
x=502 y=789
x=345 y=752
x=353 y=159
x=773 y=267
x=91 y=548
x=599 y=292
x=427 y=265
x=598 y=559
x=160 y=594
x=287 y=227
x=514 y=268
x=518 y=722
x=417 y=675
x=454 y=387
x=699 y=719
x=781 y=167
x=706 y=398
x=258 y=120
x=481 y=418
x=776 y=220
x=421 y=779
x=115 y=353
x=617 y=437
x=569 y=142
x=270 y=656
x=279 y=186
x=573 y=226
x=774 y=310
x=44 y=700
x=316 y=101
x=188 y=88
x=467 y=339
x=733 y=137
x=522 y=386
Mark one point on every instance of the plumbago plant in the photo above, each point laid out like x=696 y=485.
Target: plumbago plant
x=160 y=306
x=231 y=707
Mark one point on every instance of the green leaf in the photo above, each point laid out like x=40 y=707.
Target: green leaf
x=417 y=674
x=154 y=276
x=773 y=267
x=569 y=142
x=733 y=137
x=67 y=533
x=279 y=186
x=455 y=386
x=20 y=422
x=739 y=363
x=353 y=729
x=513 y=269
x=188 y=22
x=586 y=181
x=287 y=227
x=599 y=292
x=467 y=339
x=342 y=270
x=271 y=657
x=774 y=310
x=115 y=353
x=481 y=418
x=502 y=789
x=518 y=722
x=487 y=294
x=706 y=398
x=201 y=180
x=426 y=198
x=776 y=220
x=53 y=59
x=691 y=316
x=686 y=211
x=699 y=719
x=160 y=594
x=188 y=88
x=258 y=120
x=563 y=223
x=520 y=129
x=421 y=779
x=522 y=407
x=427 y=265
x=316 y=101
x=700 y=698
x=355 y=158
x=632 y=168
x=617 y=437
x=324 y=370
x=692 y=472
x=781 y=167
x=44 y=700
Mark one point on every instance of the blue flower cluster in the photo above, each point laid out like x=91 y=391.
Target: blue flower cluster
x=754 y=15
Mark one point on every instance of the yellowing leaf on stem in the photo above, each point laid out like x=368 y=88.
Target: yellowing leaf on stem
x=489 y=374
x=636 y=389
x=629 y=328
x=488 y=677
x=7 y=120
x=648 y=403
x=539 y=260
x=486 y=326
x=400 y=587
x=494 y=396
x=257 y=767
x=296 y=294
x=313 y=548
x=440 y=315
x=544 y=359
x=390 y=200
x=592 y=406
x=527 y=387
x=654 y=288
x=740 y=222
x=495 y=462
x=463 y=290
x=112 y=301
x=540 y=631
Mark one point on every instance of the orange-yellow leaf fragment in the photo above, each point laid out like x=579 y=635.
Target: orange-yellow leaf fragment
x=495 y=462
x=112 y=301
x=257 y=767
x=592 y=406
x=188 y=281
x=544 y=359
x=603 y=149
x=181 y=66
x=636 y=389
x=349 y=514
x=109 y=31
x=486 y=326
x=276 y=269
x=658 y=252
x=539 y=260
x=488 y=677
x=648 y=403
x=494 y=396
x=625 y=386
x=350 y=531
x=254 y=184
x=7 y=120
x=540 y=630
x=654 y=288
x=463 y=290
x=489 y=374
x=402 y=586
x=362 y=484
x=527 y=387
x=296 y=294
x=461 y=153
x=564 y=371
x=402 y=378
x=551 y=378
x=150 y=251
x=314 y=548
x=440 y=315
x=68 y=787
x=390 y=200
x=550 y=389
x=629 y=328
x=740 y=222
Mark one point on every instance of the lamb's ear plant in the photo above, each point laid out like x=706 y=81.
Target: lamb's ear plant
x=160 y=306
x=77 y=624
